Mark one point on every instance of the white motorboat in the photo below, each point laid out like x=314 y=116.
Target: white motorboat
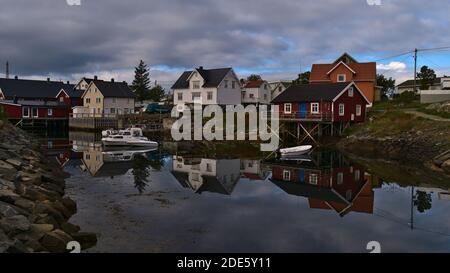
x=129 y=137
x=299 y=150
x=109 y=132
x=124 y=155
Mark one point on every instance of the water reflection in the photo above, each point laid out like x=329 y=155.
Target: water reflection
x=328 y=180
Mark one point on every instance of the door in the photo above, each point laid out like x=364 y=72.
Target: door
x=301 y=175
x=302 y=110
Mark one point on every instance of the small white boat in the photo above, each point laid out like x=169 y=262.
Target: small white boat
x=109 y=132
x=129 y=137
x=299 y=150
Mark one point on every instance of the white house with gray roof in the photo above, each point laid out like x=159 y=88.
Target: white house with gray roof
x=207 y=86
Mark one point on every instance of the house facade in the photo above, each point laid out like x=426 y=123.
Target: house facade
x=329 y=102
x=279 y=87
x=207 y=86
x=347 y=69
x=106 y=98
x=256 y=92
x=440 y=83
x=35 y=110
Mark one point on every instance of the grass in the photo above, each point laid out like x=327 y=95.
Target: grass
x=423 y=109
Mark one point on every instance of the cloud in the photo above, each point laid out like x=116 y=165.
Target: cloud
x=53 y=38
x=392 y=66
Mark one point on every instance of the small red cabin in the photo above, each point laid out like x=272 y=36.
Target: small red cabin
x=35 y=110
x=329 y=102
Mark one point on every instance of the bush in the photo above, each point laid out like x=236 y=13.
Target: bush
x=406 y=97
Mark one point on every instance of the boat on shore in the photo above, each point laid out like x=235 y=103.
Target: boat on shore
x=295 y=151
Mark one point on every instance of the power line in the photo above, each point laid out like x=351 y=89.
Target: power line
x=395 y=56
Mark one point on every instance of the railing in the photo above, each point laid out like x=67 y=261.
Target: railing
x=307 y=116
x=92 y=115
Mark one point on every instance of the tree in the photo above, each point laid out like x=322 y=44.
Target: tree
x=303 y=78
x=387 y=85
x=141 y=83
x=253 y=77
x=156 y=93
x=140 y=172
x=426 y=76
x=422 y=201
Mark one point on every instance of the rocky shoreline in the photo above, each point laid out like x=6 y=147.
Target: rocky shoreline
x=34 y=212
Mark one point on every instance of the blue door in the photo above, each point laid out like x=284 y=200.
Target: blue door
x=302 y=110
x=301 y=175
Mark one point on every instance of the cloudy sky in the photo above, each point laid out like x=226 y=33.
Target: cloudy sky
x=277 y=39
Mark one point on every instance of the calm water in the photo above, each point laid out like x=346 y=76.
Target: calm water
x=155 y=201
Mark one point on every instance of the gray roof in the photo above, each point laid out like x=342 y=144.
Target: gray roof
x=31 y=89
x=34 y=103
x=410 y=83
x=212 y=77
x=114 y=89
x=311 y=92
x=73 y=93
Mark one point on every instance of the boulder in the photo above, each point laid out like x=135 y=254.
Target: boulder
x=446 y=166
x=86 y=239
x=25 y=204
x=70 y=205
x=70 y=228
x=8 y=196
x=56 y=241
x=15 y=223
x=16 y=163
x=7 y=210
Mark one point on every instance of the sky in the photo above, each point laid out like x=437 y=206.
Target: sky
x=276 y=39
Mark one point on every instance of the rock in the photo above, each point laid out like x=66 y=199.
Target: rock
x=48 y=209
x=440 y=159
x=44 y=228
x=56 y=241
x=8 y=196
x=446 y=166
x=25 y=204
x=5 y=242
x=70 y=228
x=16 y=163
x=7 y=210
x=53 y=187
x=6 y=166
x=70 y=205
x=14 y=223
x=5 y=184
x=86 y=239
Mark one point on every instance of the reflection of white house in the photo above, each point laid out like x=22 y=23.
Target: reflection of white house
x=207 y=86
x=210 y=175
x=441 y=193
x=253 y=169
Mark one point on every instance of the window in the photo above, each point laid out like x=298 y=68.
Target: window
x=286 y=175
x=125 y=110
x=226 y=84
x=265 y=86
x=99 y=100
x=196 y=84
x=34 y=111
x=61 y=99
x=280 y=89
x=341 y=109
x=180 y=96
x=243 y=94
x=358 y=110
x=112 y=110
x=252 y=96
x=350 y=92
x=357 y=175
x=341 y=78
x=196 y=96
x=49 y=112
x=88 y=100
x=250 y=165
x=288 y=108
x=340 y=178
x=114 y=100
x=233 y=84
x=87 y=156
x=313 y=179
x=265 y=96
x=26 y=112
x=315 y=108
x=210 y=95
x=208 y=167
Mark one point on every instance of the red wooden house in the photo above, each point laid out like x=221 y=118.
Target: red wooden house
x=35 y=110
x=70 y=97
x=328 y=102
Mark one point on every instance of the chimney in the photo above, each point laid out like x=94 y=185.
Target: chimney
x=200 y=68
x=95 y=77
x=16 y=77
x=48 y=79
x=112 y=80
x=68 y=82
x=7 y=70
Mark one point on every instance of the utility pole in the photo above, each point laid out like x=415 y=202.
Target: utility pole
x=415 y=70
x=7 y=70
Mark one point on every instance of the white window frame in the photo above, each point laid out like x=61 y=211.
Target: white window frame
x=195 y=84
x=351 y=92
x=196 y=97
x=340 y=178
x=313 y=105
x=61 y=99
x=286 y=175
x=88 y=100
x=180 y=96
x=341 y=107
x=357 y=175
x=358 y=110
x=28 y=112
x=209 y=95
x=37 y=112
x=290 y=108
x=233 y=84
x=344 y=80
x=49 y=112
x=313 y=179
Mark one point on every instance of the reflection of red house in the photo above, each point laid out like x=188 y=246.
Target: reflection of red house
x=337 y=184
